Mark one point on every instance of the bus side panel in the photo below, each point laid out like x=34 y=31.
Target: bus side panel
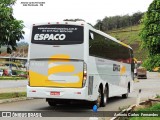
x=103 y=72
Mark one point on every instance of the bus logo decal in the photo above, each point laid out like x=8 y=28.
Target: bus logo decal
x=116 y=67
x=49 y=37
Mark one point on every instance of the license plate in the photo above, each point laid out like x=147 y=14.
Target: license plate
x=55 y=93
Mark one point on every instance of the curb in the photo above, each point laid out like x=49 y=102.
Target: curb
x=14 y=100
x=123 y=111
x=129 y=109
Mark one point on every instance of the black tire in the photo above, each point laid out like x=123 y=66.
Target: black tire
x=126 y=95
x=51 y=103
x=104 y=99
x=99 y=99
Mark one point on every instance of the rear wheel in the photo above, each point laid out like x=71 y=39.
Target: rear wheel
x=51 y=103
x=98 y=101
x=104 y=97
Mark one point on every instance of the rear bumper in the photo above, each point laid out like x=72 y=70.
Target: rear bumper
x=141 y=74
x=65 y=93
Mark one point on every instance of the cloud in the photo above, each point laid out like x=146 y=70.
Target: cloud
x=89 y=10
x=27 y=34
x=57 y=10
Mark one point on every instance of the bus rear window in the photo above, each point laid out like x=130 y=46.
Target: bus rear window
x=57 y=34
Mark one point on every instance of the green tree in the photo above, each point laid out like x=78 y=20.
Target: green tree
x=99 y=25
x=11 y=30
x=150 y=33
x=115 y=22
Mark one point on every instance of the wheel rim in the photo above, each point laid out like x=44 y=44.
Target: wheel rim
x=99 y=97
x=105 y=96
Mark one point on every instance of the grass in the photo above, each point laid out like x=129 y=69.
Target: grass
x=124 y=107
x=155 y=107
x=127 y=35
x=12 y=78
x=136 y=80
x=12 y=95
x=130 y=36
x=145 y=118
x=18 y=72
x=157 y=96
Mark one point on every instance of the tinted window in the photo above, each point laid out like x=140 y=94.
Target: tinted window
x=103 y=47
x=57 y=34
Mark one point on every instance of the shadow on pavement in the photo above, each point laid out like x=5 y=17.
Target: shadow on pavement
x=77 y=107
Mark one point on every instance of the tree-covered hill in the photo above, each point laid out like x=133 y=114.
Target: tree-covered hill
x=116 y=22
x=130 y=36
x=125 y=28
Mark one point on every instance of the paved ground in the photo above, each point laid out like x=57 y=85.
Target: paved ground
x=9 y=90
x=12 y=83
x=150 y=87
x=7 y=86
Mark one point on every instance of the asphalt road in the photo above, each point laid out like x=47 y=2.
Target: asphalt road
x=150 y=87
x=12 y=83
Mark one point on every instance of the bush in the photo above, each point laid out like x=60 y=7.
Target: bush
x=18 y=72
x=11 y=78
x=151 y=62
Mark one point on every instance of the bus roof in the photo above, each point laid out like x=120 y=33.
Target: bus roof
x=79 y=23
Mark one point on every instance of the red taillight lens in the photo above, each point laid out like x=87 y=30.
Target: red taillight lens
x=84 y=73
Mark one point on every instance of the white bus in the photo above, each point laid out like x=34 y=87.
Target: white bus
x=72 y=61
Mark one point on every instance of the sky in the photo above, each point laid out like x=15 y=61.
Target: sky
x=88 y=10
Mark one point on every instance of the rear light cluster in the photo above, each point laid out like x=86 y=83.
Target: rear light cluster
x=84 y=73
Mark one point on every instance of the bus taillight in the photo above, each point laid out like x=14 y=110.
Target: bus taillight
x=84 y=73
